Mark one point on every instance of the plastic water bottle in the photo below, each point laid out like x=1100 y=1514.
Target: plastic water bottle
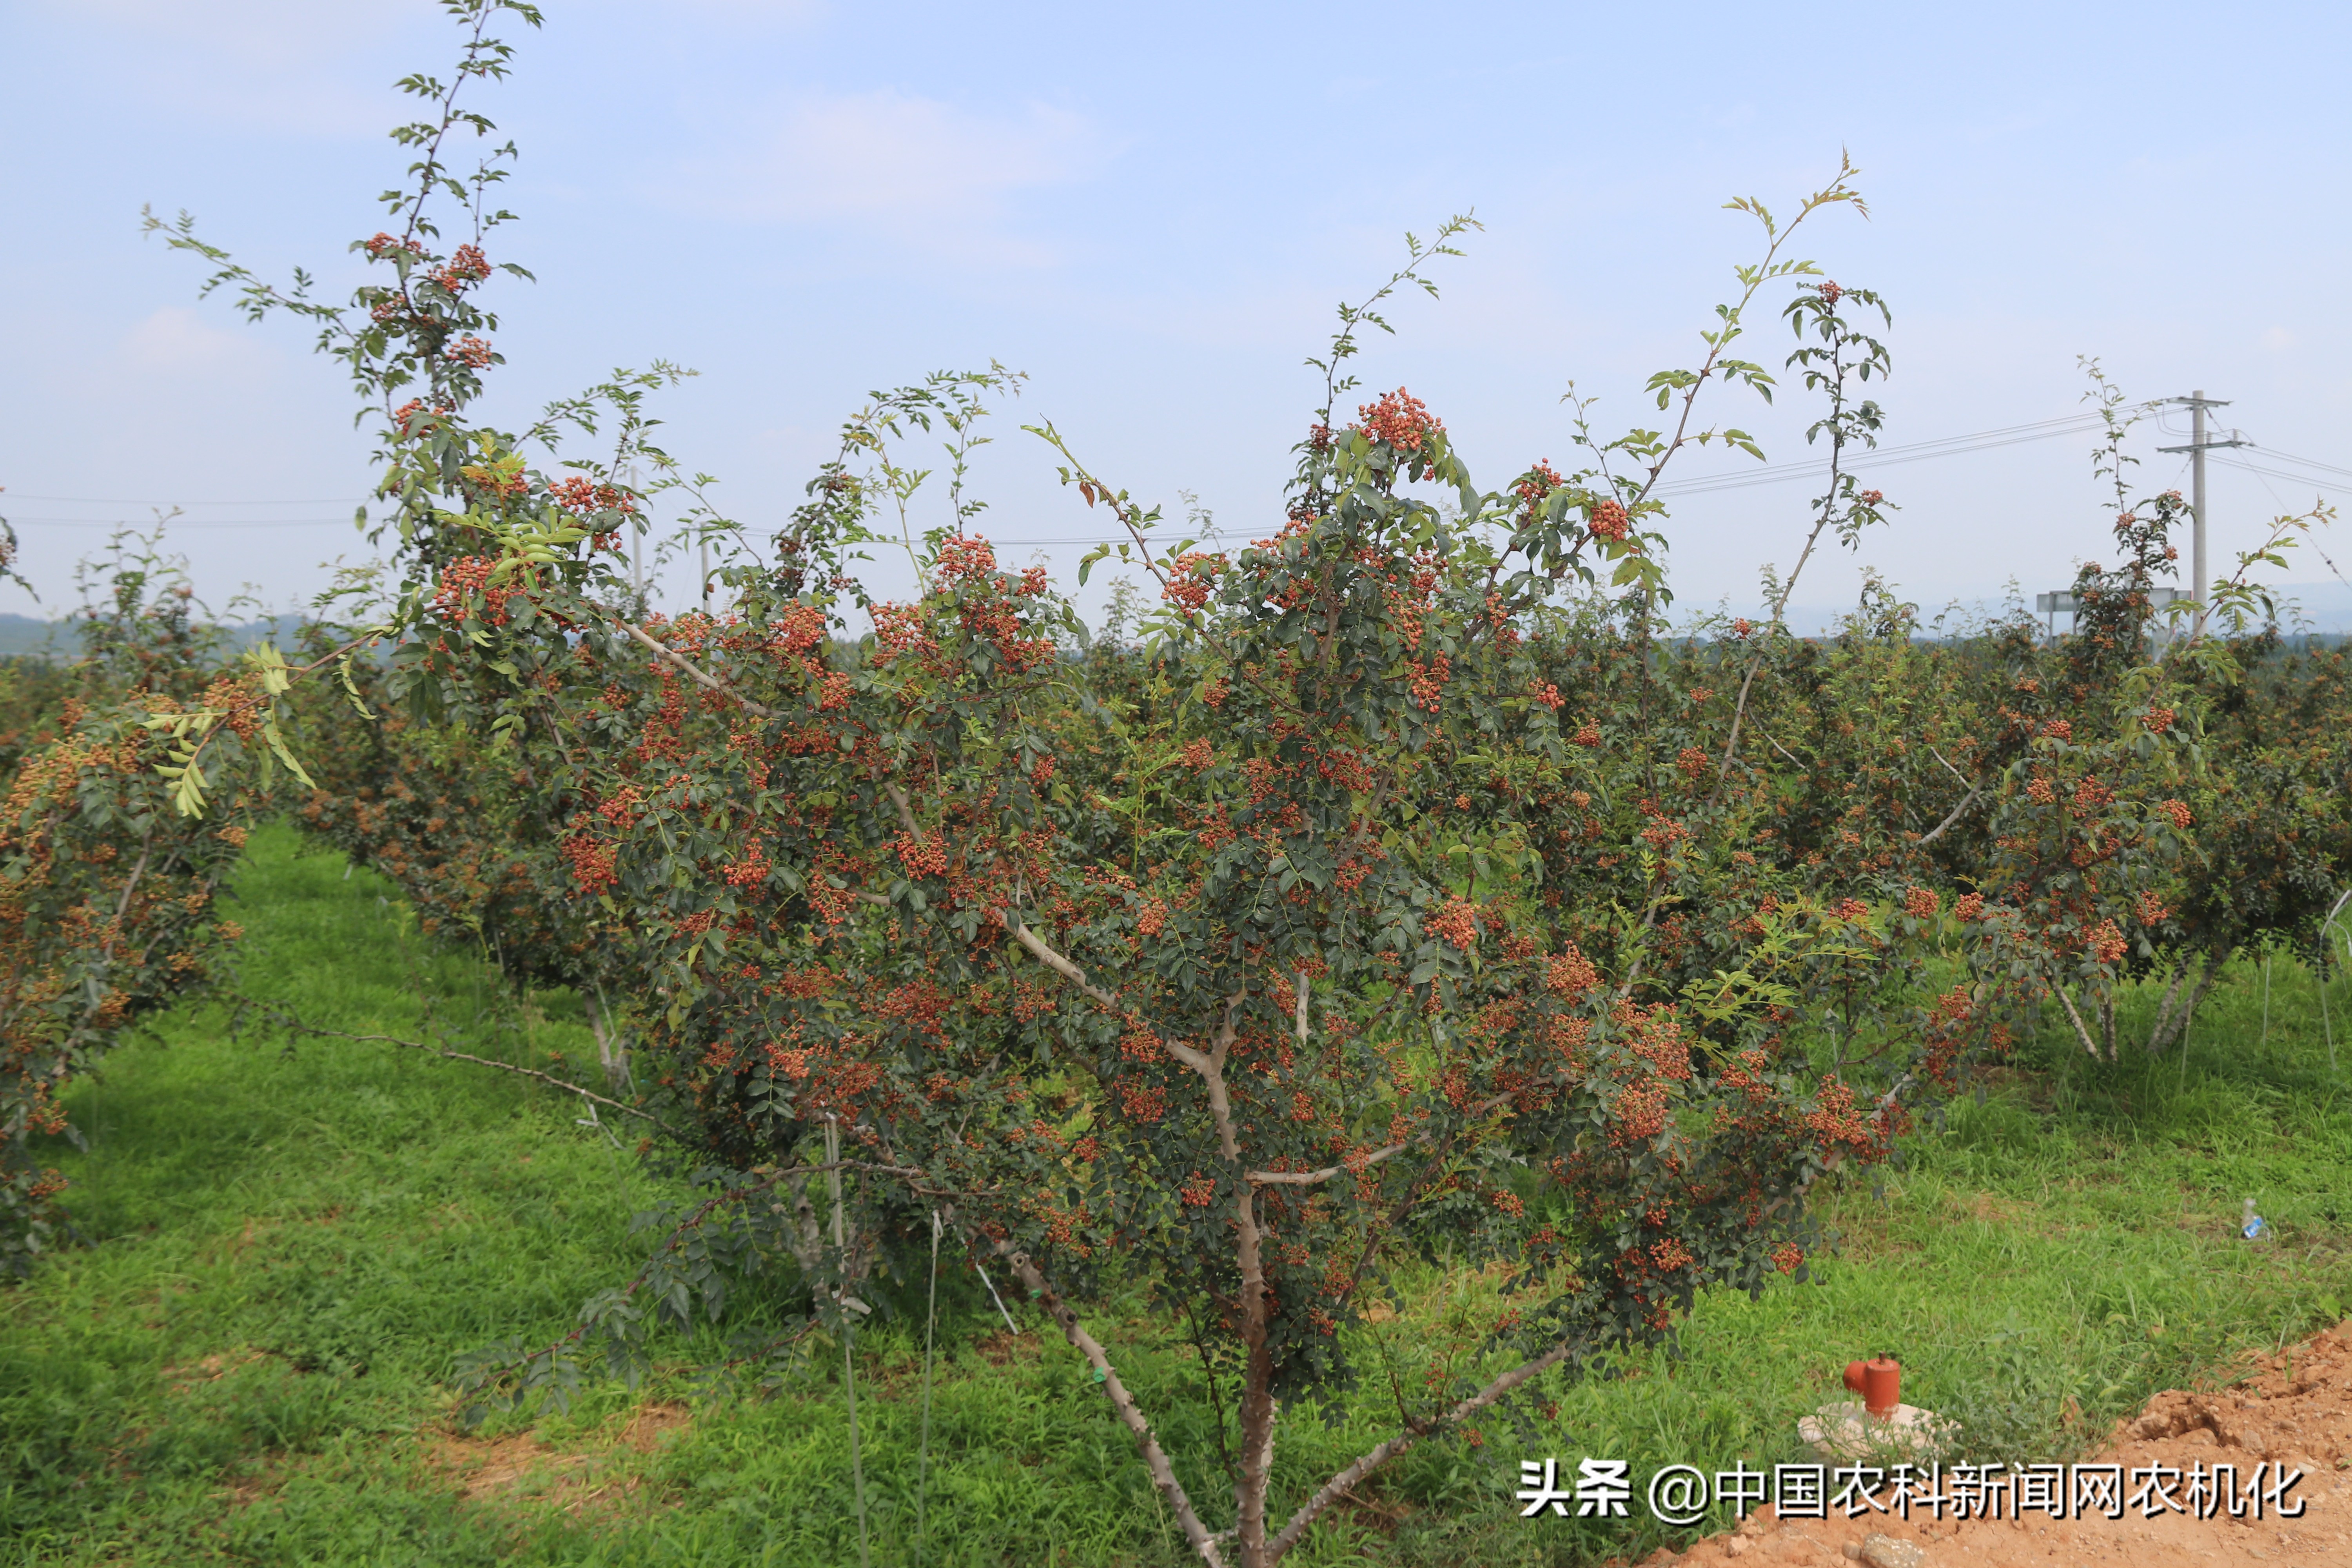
x=2252 y=1226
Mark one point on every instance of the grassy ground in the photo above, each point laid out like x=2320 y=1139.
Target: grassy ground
x=286 y=1252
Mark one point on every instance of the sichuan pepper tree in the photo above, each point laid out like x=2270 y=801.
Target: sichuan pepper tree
x=126 y=810
x=2123 y=839
x=2273 y=836
x=1280 y=1013
x=465 y=826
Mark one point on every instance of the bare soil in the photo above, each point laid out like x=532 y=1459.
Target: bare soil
x=2295 y=1410
x=583 y=1480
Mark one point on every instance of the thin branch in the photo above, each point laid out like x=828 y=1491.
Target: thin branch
x=2084 y=1034
x=1966 y=801
x=1130 y=1415
x=130 y=886
x=1061 y=966
x=297 y=1026
x=694 y=671
x=1316 y=1178
x=369 y=636
x=1332 y=1490
x=906 y=812
x=2172 y=1027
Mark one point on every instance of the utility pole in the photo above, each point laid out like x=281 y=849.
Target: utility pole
x=2198 y=446
x=628 y=477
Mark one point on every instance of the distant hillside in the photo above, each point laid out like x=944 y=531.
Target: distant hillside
x=27 y=635
x=21 y=634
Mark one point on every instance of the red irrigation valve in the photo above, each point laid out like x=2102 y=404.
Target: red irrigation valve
x=1878 y=1381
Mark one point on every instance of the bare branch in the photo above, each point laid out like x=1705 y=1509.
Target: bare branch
x=130 y=886
x=2068 y=1002
x=296 y=1025
x=1332 y=1490
x=2171 y=1025
x=1130 y=1415
x=1966 y=801
x=1059 y=964
x=906 y=812
x=695 y=672
x=1316 y=1178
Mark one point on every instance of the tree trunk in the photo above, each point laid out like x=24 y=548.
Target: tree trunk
x=2180 y=1023
x=2076 y=1017
x=611 y=1049
x=2157 y=1036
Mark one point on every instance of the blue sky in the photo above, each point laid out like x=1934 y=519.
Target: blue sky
x=1152 y=211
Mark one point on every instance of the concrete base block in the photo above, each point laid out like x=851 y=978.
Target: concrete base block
x=1847 y=1431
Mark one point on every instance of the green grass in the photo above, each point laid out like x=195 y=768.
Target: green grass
x=286 y=1252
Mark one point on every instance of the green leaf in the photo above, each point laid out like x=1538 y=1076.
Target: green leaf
x=278 y=748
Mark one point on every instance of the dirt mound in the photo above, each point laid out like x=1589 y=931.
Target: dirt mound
x=2296 y=1412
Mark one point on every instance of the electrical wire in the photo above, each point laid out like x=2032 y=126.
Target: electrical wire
x=2316 y=549
x=1780 y=473
x=1776 y=473
x=2307 y=462
x=2263 y=470
x=176 y=524
x=1887 y=457
x=141 y=501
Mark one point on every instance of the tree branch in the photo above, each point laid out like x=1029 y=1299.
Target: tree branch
x=1317 y=1178
x=1059 y=964
x=1130 y=1415
x=906 y=811
x=130 y=886
x=696 y=672
x=2068 y=1002
x=1966 y=801
x=297 y=1026
x=2174 y=1026
x=1332 y=1490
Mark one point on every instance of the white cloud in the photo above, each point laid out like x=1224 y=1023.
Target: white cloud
x=175 y=340
x=2277 y=339
x=295 y=66
x=917 y=169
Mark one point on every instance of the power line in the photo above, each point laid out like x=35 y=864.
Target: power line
x=1771 y=474
x=2270 y=472
x=1889 y=457
x=1912 y=451
x=176 y=524
x=144 y=500
x=2307 y=462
